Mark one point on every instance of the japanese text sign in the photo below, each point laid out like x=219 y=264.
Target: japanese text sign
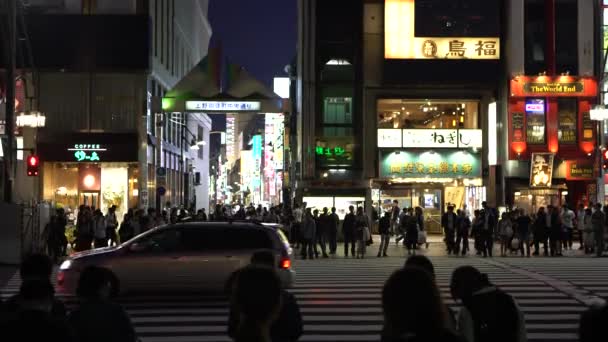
x=442 y=164
x=440 y=138
x=223 y=106
x=541 y=169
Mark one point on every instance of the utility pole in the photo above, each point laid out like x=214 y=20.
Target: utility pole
x=9 y=158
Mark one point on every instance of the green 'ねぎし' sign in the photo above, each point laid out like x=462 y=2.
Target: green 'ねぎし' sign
x=441 y=164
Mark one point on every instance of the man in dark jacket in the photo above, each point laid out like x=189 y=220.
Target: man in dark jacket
x=34 y=321
x=288 y=325
x=449 y=222
x=384 y=228
x=97 y=318
x=35 y=267
x=332 y=232
x=348 y=229
x=322 y=232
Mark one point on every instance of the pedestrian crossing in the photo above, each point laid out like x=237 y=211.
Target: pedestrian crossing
x=340 y=298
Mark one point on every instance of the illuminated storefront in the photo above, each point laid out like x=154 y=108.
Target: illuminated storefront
x=97 y=170
x=551 y=116
x=429 y=154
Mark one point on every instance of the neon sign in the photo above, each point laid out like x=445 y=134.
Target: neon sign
x=87 y=152
x=81 y=155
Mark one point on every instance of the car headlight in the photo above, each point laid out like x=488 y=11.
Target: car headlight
x=65 y=265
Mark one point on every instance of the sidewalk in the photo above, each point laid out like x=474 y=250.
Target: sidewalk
x=436 y=248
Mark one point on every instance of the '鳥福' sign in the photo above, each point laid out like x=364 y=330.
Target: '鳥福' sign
x=442 y=164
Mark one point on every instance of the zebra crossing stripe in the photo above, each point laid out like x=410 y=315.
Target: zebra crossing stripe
x=340 y=299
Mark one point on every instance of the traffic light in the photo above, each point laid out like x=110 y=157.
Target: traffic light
x=605 y=159
x=33 y=164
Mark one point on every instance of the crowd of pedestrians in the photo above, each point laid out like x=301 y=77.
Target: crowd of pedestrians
x=261 y=310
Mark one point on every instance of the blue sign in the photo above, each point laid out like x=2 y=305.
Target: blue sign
x=161 y=191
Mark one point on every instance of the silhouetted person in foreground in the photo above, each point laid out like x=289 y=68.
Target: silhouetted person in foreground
x=425 y=263
x=97 y=319
x=488 y=313
x=257 y=299
x=35 y=267
x=33 y=320
x=593 y=323
x=413 y=309
x=288 y=326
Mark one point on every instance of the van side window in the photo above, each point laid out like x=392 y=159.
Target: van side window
x=164 y=241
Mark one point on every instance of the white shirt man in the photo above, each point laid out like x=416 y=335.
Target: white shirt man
x=567 y=218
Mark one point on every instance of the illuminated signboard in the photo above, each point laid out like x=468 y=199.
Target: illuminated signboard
x=535 y=122
x=31 y=120
x=535 y=107
x=541 y=169
x=560 y=86
x=389 y=137
x=256 y=152
x=442 y=164
x=87 y=152
x=443 y=138
x=335 y=151
x=223 y=106
x=230 y=138
x=430 y=138
x=412 y=32
x=279 y=141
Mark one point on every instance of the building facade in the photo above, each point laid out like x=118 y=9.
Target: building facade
x=99 y=146
x=395 y=100
x=551 y=145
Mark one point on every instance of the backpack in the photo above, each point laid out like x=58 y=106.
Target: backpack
x=495 y=316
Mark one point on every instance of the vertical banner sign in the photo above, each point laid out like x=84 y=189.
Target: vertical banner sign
x=541 y=169
x=588 y=127
x=517 y=127
x=256 y=152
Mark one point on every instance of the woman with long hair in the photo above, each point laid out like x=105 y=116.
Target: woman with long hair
x=413 y=309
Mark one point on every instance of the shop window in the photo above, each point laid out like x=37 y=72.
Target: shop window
x=567 y=118
x=337 y=110
x=566 y=36
x=427 y=113
x=535 y=37
x=535 y=121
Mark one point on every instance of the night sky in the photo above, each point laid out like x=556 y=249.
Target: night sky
x=259 y=35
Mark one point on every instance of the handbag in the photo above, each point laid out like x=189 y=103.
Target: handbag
x=421 y=237
x=515 y=243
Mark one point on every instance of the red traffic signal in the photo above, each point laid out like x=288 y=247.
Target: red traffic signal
x=33 y=164
x=605 y=154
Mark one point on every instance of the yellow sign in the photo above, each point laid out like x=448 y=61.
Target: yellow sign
x=400 y=41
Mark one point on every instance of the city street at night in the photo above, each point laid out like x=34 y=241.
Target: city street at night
x=340 y=298
x=304 y=170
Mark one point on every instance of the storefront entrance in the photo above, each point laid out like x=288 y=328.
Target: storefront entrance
x=90 y=199
x=429 y=197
